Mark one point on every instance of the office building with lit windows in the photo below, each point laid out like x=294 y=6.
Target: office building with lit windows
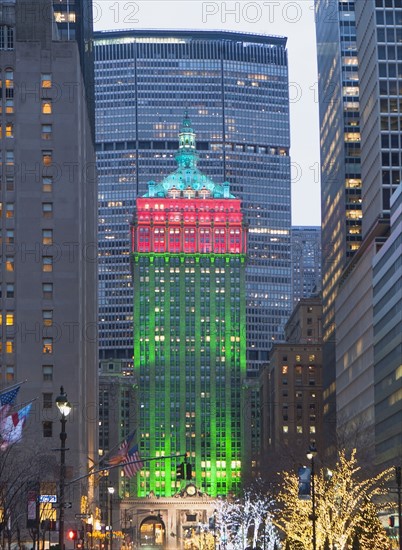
x=341 y=181
x=367 y=35
x=291 y=392
x=48 y=222
x=235 y=87
x=306 y=262
x=189 y=257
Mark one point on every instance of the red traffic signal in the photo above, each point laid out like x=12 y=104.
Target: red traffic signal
x=72 y=534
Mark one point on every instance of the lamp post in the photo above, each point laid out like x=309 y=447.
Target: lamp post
x=111 y=492
x=65 y=408
x=312 y=452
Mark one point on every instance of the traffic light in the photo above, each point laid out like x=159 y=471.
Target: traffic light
x=391 y=521
x=72 y=534
x=189 y=471
x=180 y=471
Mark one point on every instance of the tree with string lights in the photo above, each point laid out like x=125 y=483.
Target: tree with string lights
x=347 y=506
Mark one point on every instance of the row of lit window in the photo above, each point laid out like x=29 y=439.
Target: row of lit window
x=299 y=429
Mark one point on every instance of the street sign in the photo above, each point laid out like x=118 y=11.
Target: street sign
x=68 y=505
x=47 y=498
x=82 y=516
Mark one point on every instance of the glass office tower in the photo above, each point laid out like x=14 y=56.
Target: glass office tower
x=188 y=253
x=235 y=87
x=341 y=182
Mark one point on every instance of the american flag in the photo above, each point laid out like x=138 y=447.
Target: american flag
x=123 y=451
x=132 y=462
x=7 y=397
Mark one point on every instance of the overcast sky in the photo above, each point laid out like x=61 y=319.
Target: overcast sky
x=295 y=20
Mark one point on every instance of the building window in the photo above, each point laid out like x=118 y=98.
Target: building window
x=47 y=372
x=9 y=106
x=47 y=264
x=47 y=131
x=47 y=209
x=311 y=357
x=47 y=400
x=47 y=106
x=284 y=369
x=64 y=17
x=47 y=345
x=10 y=236
x=47 y=184
x=10 y=345
x=9 y=263
x=10 y=210
x=9 y=130
x=6 y=37
x=10 y=373
x=47 y=316
x=47 y=291
x=10 y=158
x=9 y=183
x=311 y=375
x=47 y=429
x=10 y=290
x=46 y=80
x=10 y=318
x=9 y=74
x=47 y=158
x=299 y=429
x=47 y=236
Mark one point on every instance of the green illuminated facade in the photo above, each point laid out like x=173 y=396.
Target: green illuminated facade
x=188 y=253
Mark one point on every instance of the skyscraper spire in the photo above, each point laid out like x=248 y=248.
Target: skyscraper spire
x=186 y=155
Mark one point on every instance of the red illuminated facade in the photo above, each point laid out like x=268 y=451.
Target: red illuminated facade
x=191 y=226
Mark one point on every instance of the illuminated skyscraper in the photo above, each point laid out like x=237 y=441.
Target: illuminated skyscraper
x=48 y=290
x=341 y=180
x=235 y=86
x=188 y=256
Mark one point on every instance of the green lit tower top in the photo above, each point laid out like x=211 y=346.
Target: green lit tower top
x=188 y=252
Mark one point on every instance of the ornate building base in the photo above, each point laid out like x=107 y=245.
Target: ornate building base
x=156 y=523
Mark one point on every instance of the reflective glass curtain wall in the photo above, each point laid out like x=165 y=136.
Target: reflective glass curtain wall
x=235 y=88
x=341 y=181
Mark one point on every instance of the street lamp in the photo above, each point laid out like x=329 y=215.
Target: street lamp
x=65 y=408
x=312 y=452
x=111 y=492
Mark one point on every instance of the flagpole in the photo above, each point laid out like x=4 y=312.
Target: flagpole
x=9 y=388
x=160 y=458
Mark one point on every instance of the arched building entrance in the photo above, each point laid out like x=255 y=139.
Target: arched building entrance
x=152 y=533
